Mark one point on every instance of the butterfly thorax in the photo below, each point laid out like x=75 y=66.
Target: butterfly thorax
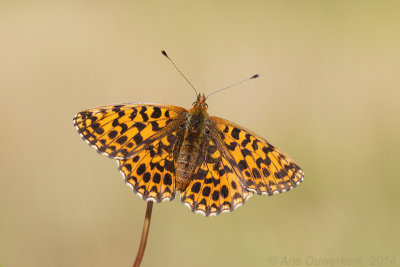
x=195 y=128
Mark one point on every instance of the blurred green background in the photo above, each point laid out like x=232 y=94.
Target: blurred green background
x=328 y=96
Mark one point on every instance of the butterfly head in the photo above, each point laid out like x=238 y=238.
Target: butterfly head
x=200 y=102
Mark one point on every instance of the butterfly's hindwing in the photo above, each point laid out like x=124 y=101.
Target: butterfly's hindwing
x=215 y=187
x=263 y=168
x=151 y=172
x=120 y=131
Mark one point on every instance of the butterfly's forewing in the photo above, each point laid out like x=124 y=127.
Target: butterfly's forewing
x=120 y=131
x=215 y=187
x=262 y=167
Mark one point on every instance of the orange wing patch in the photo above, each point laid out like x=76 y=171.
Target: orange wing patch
x=263 y=168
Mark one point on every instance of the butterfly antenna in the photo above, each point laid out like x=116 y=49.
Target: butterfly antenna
x=219 y=90
x=191 y=85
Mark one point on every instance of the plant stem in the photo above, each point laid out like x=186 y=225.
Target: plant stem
x=145 y=233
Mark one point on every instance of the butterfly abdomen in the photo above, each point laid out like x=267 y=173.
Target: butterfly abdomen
x=187 y=160
x=190 y=151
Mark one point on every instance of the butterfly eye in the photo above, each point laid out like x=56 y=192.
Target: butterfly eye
x=207 y=132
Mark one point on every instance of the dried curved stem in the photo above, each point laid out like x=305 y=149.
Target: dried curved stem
x=145 y=233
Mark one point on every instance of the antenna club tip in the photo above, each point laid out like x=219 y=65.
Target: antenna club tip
x=164 y=53
x=255 y=76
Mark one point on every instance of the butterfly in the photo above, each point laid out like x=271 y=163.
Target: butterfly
x=214 y=163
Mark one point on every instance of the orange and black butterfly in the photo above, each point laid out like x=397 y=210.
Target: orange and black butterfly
x=216 y=164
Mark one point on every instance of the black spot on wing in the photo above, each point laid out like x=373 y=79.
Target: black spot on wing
x=156 y=178
x=146 y=177
x=216 y=181
x=224 y=191
x=266 y=173
x=167 y=179
x=246 y=141
x=140 y=126
x=133 y=114
x=141 y=169
x=196 y=187
x=156 y=113
x=215 y=195
x=246 y=152
x=124 y=128
x=99 y=130
x=138 y=139
x=115 y=122
x=142 y=112
x=259 y=161
x=117 y=108
x=206 y=191
x=267 y=149
x=208 y=180
x=124 y=152
x=154 y=126
x=232 y=146
x=203 y=202
x=133 y=178
x=226 y=203
x=256 y=173
x=122 y=139
x=254 y=144
x=128 y=167
x=95 y=125
x=235 y=133
x=233 y=184
x=154 y=189
x=169 y=166
x=267 y=161
x=242 y=165
x=112 y=134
